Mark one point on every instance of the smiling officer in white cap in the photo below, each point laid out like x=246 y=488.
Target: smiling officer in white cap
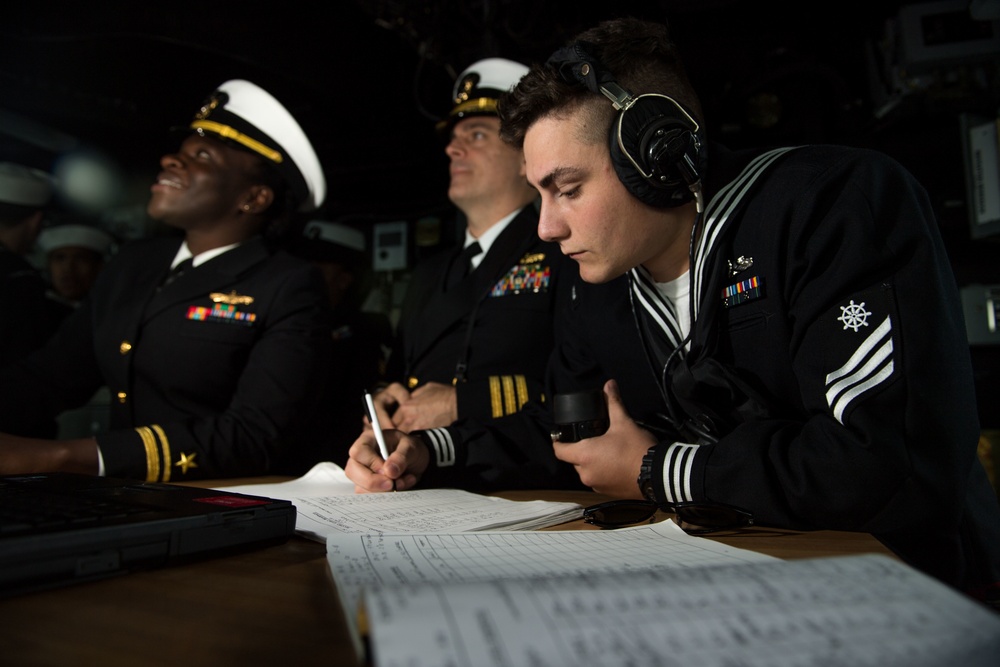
x=25 y=194
x=474 y=335
x=247 y=116
x=212 y=343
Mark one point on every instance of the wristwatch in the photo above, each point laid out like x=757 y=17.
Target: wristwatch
x=645 y=480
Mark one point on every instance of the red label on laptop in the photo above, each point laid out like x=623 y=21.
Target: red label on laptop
x=232 y=501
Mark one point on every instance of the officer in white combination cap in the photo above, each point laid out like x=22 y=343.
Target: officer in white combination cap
x=25 y=193
x=212 y=342
x=476 y=327
x=74 y=255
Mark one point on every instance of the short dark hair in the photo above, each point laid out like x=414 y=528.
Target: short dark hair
x=639 y=54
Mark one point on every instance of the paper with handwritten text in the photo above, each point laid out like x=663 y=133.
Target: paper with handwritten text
x=326 y=504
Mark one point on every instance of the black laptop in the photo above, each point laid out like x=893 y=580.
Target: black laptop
x=58 y=528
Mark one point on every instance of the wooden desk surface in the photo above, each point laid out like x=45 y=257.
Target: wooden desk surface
x=271 y=606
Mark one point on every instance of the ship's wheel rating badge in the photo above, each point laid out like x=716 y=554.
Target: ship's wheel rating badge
x=854 y=316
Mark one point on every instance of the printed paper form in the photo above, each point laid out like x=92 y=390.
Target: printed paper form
x=358 y=562
x=326 y=504
x=852 y=611
x=425 y=511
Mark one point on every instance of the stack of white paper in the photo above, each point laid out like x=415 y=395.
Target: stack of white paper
x=327 y=505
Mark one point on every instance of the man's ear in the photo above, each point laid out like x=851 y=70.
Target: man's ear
x=259 y=198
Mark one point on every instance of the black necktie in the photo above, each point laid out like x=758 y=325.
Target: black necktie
x=461 y=264
x=177 y=271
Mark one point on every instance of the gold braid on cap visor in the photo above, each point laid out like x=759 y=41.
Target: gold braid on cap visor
x=227 y=132
x=481 y=104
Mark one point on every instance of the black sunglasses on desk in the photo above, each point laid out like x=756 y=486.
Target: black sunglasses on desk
x=692 y=518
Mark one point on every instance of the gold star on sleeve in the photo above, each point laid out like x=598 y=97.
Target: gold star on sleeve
x=186 y=461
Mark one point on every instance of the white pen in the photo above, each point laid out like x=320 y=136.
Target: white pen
x=379 y=437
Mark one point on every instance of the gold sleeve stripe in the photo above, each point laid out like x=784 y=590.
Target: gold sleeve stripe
x=237 y=136
x=165 y=446
x=495 y=401
x=152 y=456
x=509 y=400
x=522 y=390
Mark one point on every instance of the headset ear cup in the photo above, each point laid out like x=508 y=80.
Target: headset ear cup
x=657 y=139
x=654 y=142
x=666 y=150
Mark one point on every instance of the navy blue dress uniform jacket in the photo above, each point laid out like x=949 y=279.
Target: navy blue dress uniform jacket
x=827 y=382
x=490 y=336
x=214 y=375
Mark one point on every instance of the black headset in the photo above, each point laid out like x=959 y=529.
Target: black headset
x=655 y=143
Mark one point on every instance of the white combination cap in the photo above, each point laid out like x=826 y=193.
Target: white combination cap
x=334 y=232
x=243 y=113
x=326 y=241
x=478 y=88
x=25 y=186
x=75 y=236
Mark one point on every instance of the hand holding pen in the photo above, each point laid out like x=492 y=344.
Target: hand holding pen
x=377 y=428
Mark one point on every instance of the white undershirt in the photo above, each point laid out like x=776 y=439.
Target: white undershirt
x=677 y=292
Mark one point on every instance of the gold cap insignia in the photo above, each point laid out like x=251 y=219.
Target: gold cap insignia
x=464 y=88
x=232 y=298
x=210 y=105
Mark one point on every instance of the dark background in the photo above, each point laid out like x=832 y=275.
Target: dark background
x=368 y=78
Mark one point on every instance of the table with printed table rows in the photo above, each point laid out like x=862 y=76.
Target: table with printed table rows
x=272 y=606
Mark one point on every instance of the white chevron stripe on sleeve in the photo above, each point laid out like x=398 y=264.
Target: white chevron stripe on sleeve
x=876 y=379
x=867 y=368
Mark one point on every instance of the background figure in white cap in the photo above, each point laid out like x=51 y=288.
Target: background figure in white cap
x=211 y=342
x=474 y=335
x=25 y=194
x=361 y=339
x=73 y=255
